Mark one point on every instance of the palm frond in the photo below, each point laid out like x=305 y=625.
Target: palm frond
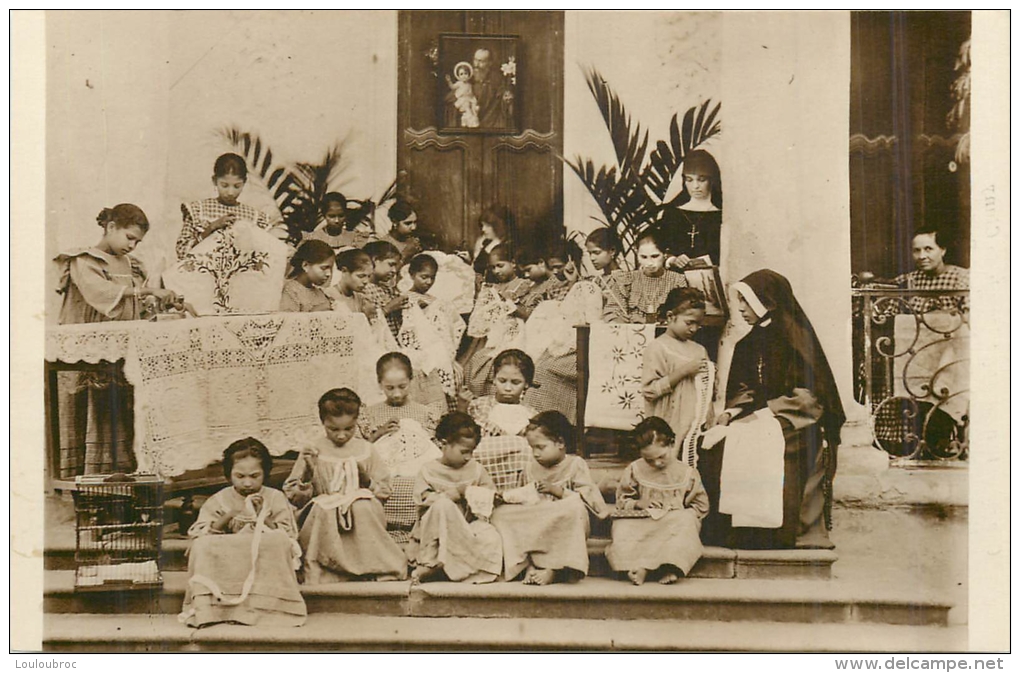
x=628 y=142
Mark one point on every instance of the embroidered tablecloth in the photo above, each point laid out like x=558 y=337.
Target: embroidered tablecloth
x=203 y=383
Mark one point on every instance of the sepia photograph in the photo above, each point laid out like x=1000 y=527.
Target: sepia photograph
x=351 y=341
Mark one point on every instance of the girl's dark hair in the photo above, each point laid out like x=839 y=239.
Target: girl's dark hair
x=650 y=429
x=500 y=219
x=310 y=252
x=353 y=260
x=700 y=162
x=528 y=255
x=604 y=238
x=331 y=198
x=123 y=215
x=457 y=425
x=556 y=427
x=681 y=299
x=380 y=250
x=390 y=359
x=655 y=237
x=519 y=359
x=339 y=402
x=502 y=251
x=249 y=447
x=421 y=262
x=399 y=211
x=230 y=164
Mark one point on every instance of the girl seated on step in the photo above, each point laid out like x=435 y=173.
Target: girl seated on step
x=338 y=484
x=544 y=521
x=454 y=494
x=244 y=554
x=660 y=503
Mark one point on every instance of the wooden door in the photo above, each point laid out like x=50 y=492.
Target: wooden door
x=451 y=177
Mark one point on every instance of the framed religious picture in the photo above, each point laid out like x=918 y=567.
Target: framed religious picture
x=707 y=279
x=477 y=80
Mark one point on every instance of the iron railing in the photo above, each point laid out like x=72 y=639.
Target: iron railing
x=912 y=356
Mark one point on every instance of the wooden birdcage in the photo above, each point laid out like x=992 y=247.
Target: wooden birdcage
x=118 y=531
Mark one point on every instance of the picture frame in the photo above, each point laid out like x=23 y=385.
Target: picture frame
x=708 y=280
x=477 y=84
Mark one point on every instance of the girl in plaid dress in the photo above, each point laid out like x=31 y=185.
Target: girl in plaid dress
x=502 y=413
x=206 y=217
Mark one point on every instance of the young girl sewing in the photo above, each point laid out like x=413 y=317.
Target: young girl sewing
x=401 y=428
x=661 y=503
x=401 y=235
x=672 y=362
x=603 y=248
x=454 y=494
x=311 y=268
x=535 y=267
x=544 y=523
x=205 y=217
x=635 y=296
x=502 y=413
x=101 y=283
x=430 y=332
x=381 y=291
x=355 y=271
x=493 y=325
x=220 y=564
x=338 y=484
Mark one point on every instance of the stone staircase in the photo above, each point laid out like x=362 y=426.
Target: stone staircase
x=733 y=601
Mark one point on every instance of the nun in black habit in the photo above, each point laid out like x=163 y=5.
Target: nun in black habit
x=778 y=371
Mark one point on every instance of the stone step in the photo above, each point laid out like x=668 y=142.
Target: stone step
x=592 y=598
x=332 y=632
x=717 y=563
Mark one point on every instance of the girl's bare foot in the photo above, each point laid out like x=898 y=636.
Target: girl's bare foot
x=425 y=573
x=540 y=576
x=669 y=578
x=637 y=576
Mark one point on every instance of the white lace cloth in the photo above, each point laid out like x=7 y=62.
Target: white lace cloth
x=203 y=383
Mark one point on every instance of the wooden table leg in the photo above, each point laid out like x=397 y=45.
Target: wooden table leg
x=583 y=339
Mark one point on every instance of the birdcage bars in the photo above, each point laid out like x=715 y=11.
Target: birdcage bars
x=118 y=531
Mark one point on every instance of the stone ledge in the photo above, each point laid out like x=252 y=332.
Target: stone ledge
x=371 y=633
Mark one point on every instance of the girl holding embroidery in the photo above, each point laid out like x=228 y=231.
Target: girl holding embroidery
x=672 y=362
x=348 y=293
x=455 y=495
x=204 y=218
x=102 y=283
x=635 y=296
x=502 y=412
x=493 y=325
x=220 y=558
x=544 y=523
x=338 y=484
x=311 y=269
x=670 y=493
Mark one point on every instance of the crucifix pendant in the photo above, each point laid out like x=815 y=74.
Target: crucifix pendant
x=693 y=233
